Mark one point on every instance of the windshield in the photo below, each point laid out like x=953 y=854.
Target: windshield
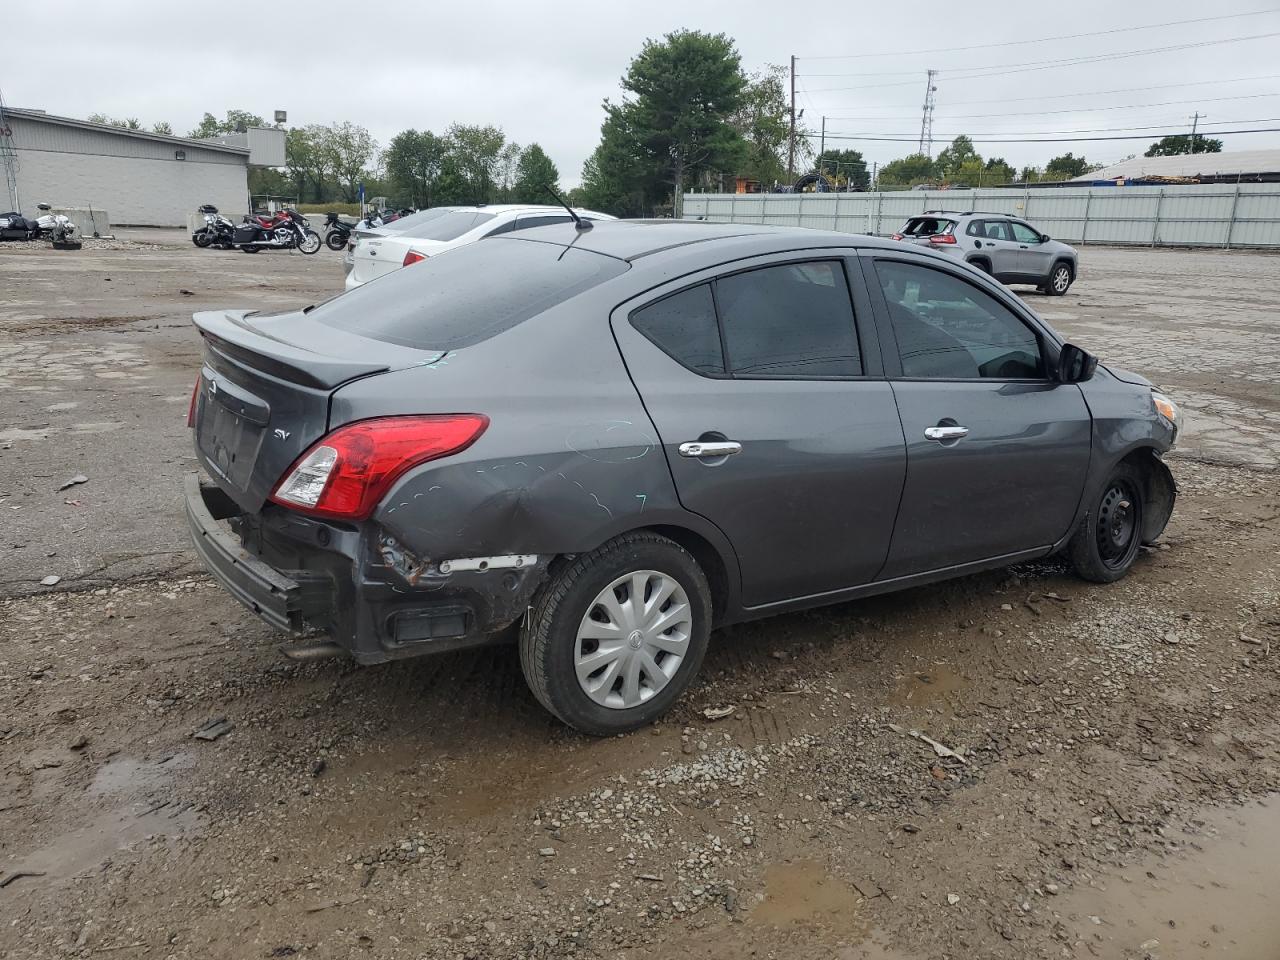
x=468 y=294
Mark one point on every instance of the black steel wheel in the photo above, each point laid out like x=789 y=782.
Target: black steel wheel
x=1107 y=542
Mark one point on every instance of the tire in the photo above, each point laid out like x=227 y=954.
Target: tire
x=1097 y=552
x=202 y=237
x=249 y=248
x=335 y=241
x=1060 y=279
x=310 y=242
x=982 y=264
x=551 y=641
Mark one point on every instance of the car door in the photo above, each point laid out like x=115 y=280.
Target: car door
x=1033 y=259
x=997 y=450
x=764 y=384
x=1001 y=249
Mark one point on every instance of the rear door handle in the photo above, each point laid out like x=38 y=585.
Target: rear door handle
x=945 y=433
x=710 y=449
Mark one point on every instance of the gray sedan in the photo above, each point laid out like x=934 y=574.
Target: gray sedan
x=601 y=443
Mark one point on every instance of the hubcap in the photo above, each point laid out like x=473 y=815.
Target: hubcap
x=1061 y=280
x=1118 y=517
x=632 y=639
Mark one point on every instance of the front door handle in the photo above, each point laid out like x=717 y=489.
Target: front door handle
x=945 y=433
x=710 y=449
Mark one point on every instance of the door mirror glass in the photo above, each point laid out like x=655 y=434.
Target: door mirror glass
x=1075 y=365
x=1045 y=238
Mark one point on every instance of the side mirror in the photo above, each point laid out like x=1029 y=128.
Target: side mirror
x=1045 y=238
x=1075 y=365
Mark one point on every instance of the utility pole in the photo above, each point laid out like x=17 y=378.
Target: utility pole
x=822 y=148
x=926 y=122
x=1195 y=122
x=791 y=139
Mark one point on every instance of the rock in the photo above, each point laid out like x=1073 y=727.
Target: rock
x=953 y=898
x=1096 y=822
x=910 y=828
x=547 y=852
x=317 y=768
x=78 y=743
x=77 y=479
x=719 y=713
x=50 y=580
x=1051 y=889
x=218 y=727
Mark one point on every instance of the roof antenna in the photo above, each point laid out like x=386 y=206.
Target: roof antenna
x=578 y=222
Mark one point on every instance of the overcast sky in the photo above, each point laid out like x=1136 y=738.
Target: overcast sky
x=539 y=70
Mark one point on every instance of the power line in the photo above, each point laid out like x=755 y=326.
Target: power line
x=1044 y=113
x=1033 y=65
x=1139 y=136
x=1032 y=133
x=1018 y=43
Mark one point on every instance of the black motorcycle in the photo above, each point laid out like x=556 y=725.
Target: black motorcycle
x=336 y=232
x=286 y=231
x=14 y=226
x=217 y=231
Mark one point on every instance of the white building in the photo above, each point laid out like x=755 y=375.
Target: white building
x=138 y=178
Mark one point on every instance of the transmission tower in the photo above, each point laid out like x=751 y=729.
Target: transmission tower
x=9 y=159
x=926 y=122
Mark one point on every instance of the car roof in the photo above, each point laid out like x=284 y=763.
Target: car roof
x=632 y=239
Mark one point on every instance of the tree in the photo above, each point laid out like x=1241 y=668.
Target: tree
x=414 y=161
x=847 y=167
x=616 y=178
x=762 y=121
x=505 y=171
x=305 y=161
x=952 y=158
x=211 y=126
x=473 y=152
x=684 y=90
x=346 y=150
x=130 y=123
x=916 y=168
x=163 y=126
x=534 y=173
x=1183 y=143
x=1065 y=167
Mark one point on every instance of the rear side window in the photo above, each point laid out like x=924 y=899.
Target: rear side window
x=524 y=223
x=683 y=326
x=793 y=320
x=927 y=226
x=467 y=295
x=976 y=228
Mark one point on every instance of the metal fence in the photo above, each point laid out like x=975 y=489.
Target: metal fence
x=1217 y=215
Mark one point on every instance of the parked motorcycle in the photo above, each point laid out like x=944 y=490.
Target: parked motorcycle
x=14 y=226
x=217 y=231
x=58 y=228
x=287 y=230
x=336 y=232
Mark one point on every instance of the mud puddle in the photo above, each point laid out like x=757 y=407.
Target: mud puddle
x=927 y=685
x=1219 y=899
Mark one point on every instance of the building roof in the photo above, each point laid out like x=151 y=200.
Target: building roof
x=42 y=117
x=1189 y=165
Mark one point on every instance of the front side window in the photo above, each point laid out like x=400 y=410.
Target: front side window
x=683 y=326
x=792 y=320
x=949 y=329
x=1024 y=234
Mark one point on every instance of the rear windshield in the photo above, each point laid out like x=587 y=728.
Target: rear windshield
x=414 y=220
x=927 y=226
x=467 y=295
x=448 y=227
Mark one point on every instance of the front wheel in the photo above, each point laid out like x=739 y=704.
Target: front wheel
x=202 y=237
x=335 y=241
x=1059 y=280
x=618 y=634
x=310 y=242
x=1106 y=545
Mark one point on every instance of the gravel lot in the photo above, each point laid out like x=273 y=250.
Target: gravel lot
x=1013 y=765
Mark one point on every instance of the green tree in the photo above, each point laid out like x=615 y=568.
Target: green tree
x=414 y=161
x=1065 y=167
x=346 y=150
x=617 y=178
x=211 y=126
x=129 y=123
x=306 y=162
x=505 y=171
x=1183 y=143
x=534 y=173
x=473 y=156
x=847 y=167
x=916 y=168
x=952 y=158
x=683 y=91
x=762 y=121
x=164 y=127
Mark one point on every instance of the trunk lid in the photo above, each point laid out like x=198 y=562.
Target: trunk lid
x=264 y=391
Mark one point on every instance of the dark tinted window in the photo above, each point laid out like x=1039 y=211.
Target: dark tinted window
x=684 y=327
x=793 y=320
x=927 y=226
x=524 y=223
x=467 y=295
x=950 y=329
x=976 y=228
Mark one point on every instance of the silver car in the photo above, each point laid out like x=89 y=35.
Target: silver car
x=1009 y=249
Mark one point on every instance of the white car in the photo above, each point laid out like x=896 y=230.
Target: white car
x=371 y=255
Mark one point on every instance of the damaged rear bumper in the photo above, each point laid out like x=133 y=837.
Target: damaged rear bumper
x=353 y=582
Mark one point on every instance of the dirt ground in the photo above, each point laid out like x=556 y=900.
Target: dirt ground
x=1012 y=765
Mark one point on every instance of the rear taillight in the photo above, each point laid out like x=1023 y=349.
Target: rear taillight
x=413 y=256
x=897 y=236
x=191 y=410
x=347 y=473
x=942 y=238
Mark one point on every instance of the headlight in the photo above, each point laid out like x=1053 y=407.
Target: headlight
x=1165 y=407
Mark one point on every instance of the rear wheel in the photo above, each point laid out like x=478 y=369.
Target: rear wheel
x=618 y=634
x=1059 y=280
x=249 y=248
x=1107 y=543
x=335 y=241
x=982 y=264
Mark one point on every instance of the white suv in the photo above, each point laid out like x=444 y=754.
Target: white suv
x=371 y=255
